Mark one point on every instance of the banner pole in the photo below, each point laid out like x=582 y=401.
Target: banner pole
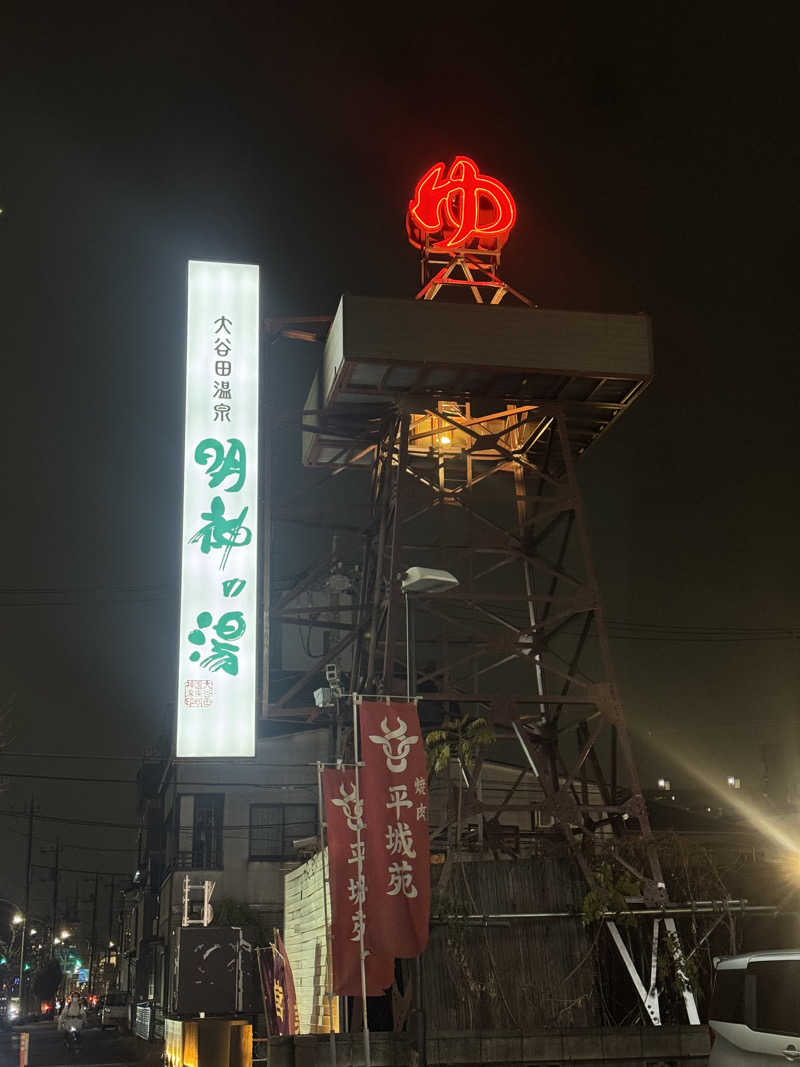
x=362 y=886
x=325 y=883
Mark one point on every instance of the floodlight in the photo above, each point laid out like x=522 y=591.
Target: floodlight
x=427 y=580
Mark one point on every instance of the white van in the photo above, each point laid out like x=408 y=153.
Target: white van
x=755 y=1009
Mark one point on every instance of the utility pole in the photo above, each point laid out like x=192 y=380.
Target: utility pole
x=55 y=899
x=94 y=931
x=110 y=921
x=25 y=916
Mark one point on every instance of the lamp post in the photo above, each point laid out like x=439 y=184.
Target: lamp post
x=419 y=580
x=415 y=581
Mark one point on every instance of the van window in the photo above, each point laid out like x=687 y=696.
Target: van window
x=777 y=996
x=727 y=1000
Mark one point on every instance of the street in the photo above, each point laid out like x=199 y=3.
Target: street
x=98 y=1047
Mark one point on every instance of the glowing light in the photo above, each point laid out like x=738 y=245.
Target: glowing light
x=219 y=623
x=780 y=835
x=17 y=919
x=460 y=207
x=33 y=933
x=445 y=439
x=64 y=935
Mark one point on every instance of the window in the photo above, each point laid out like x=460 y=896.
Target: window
x=777 y=996
x=273 y=827
x=200 y=821
x=727 y=1000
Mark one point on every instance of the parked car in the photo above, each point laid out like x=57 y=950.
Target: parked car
x=114 y=1011
x=755 y=1009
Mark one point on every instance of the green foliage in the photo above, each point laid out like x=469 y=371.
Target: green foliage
x=611 y=886
x=47 y=980
x=458 y=738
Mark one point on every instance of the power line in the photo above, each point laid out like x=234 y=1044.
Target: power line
x=66 y=844
x=89 y=780
x=72 y=822
x=143 y=759
x=69 y=778
x=76 y=870
x=83 y=756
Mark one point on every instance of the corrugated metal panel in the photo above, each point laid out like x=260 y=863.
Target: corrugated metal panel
x=516 y=976
x=435 y=333
x=306 y=944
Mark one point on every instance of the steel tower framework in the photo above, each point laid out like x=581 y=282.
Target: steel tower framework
x=490 y=492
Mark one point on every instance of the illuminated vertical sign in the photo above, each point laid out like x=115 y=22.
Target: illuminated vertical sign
x=219 y=562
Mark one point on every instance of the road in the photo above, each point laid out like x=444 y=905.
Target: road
x=99 y=1048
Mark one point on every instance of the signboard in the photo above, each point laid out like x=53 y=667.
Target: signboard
x=347 y=848
x=460 y=208
x=219 y=564
x=394 y=788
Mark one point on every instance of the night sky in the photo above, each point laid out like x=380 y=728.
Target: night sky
x=652 y=152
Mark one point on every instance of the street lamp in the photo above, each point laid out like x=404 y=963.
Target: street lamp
x=64 y=935
x=17 y=919
x=418 y=580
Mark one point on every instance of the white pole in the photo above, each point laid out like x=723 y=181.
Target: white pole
x=325 y=884
x=362 y=886
x=408 y=650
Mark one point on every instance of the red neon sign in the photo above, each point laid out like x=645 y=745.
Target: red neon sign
x=460 y=207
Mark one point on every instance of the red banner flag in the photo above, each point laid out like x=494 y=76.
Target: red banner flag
x=348 y=882
x=277 y=983
x=291 y=1012
x=394 y=789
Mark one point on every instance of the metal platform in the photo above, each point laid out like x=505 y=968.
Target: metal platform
x=381 y=353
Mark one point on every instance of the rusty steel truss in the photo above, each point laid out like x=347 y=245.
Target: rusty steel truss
x=490 y=494
x=522 y=638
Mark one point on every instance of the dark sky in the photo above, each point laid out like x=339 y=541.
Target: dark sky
x=652 y=151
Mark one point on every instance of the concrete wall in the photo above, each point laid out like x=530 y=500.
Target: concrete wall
x=283 y=772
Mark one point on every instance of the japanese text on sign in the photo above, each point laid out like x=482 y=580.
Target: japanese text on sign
x=219 y=572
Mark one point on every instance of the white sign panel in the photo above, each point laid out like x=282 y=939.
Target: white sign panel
x=219 y=569
x=306 y=897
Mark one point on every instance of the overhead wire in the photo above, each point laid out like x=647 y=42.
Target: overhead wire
x=16 y=597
